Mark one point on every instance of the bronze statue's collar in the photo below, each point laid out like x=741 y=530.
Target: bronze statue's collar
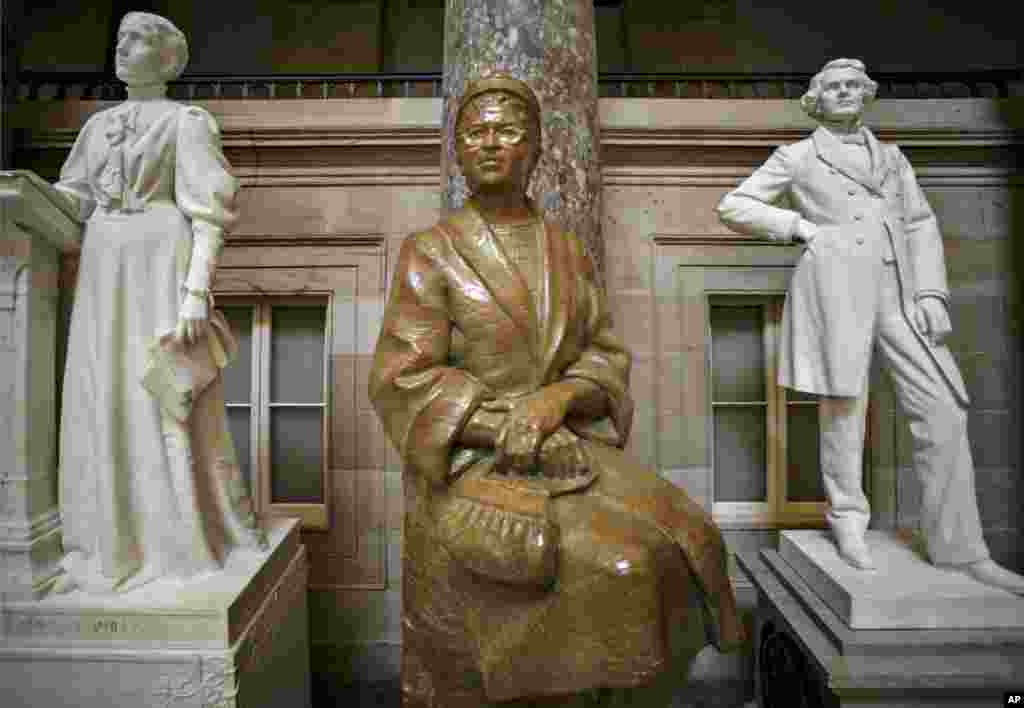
x=474 y=204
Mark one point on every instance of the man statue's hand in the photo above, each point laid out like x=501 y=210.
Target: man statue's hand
x=932 y=319
x=193 y=318
x=805 y=231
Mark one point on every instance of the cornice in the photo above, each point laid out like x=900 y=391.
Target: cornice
x=730 y=240
x=298 y=136
x=370 y=242
x=709 y=136
x=729 y=175
x=626 y=123
x=330 y=176
x=644 y=142
x=620 y=137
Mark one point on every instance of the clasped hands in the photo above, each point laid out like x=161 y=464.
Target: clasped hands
x=533 y=434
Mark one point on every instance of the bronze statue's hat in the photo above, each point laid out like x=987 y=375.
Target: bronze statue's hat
x=500 y=82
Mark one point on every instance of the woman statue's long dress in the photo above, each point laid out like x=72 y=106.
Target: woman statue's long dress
x=143 y=494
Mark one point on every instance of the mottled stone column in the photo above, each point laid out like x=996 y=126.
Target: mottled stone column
x=550 y=45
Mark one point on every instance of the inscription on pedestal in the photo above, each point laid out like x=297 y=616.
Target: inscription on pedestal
x=44 y=626
x=125 y=627
x=8 y=273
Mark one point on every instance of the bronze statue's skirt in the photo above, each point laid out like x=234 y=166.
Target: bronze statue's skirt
x=626 y=606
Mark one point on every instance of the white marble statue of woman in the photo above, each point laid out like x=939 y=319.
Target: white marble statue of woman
x=146 y=494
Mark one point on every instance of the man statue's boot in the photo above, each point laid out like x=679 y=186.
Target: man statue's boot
x=852 y=548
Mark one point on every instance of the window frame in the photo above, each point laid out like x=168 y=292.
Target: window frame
x=314 y=516
x=777 y=511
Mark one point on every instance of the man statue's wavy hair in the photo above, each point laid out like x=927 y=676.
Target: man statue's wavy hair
x=174 y=45
x=809 y=101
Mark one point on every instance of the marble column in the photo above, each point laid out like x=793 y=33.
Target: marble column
x=550 y=45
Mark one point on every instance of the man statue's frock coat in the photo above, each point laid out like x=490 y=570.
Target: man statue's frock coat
x=864 y=218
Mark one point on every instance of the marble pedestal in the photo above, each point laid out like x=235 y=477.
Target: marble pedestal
x=905 y=591
x=235 y=639
x=807 y=654
x=36 y=229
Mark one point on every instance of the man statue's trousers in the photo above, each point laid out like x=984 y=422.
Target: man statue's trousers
x=938 y=428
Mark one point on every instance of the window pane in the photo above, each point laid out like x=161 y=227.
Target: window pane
x=297 y=354
x=296 y=455
x=238 y=426
x=737 y=353
x=803 y=480
x=238 y=374
x=740 y=462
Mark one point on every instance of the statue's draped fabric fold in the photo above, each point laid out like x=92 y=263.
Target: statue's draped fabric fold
x=142 y=497
x=461 y=327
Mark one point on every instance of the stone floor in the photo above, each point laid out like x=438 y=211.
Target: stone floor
x=362 y=695
x=386 y=695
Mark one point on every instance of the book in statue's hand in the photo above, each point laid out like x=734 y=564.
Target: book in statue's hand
x=177 y=372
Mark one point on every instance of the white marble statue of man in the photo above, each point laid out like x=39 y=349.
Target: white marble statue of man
x=149 y=483
x=872 y=278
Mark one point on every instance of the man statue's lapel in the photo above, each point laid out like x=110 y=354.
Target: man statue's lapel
x=830 y=150
x=879 y=159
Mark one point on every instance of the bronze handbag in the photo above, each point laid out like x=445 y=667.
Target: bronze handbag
x=500 y=528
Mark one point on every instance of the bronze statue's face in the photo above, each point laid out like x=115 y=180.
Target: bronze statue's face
x=494 y=143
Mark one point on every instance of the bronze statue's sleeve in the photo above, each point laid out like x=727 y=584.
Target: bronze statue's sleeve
x=605 y=361
x=422 y=401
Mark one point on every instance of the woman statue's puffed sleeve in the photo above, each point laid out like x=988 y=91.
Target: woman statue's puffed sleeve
x=204 y=187
x=205 y=192
x=74 y=175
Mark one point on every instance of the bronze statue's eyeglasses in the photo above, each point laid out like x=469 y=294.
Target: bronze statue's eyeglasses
x=502 y=134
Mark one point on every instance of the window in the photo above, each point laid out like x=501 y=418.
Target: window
x=764 y=440
x=277 y=399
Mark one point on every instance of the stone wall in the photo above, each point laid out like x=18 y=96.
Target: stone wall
x=360 y=175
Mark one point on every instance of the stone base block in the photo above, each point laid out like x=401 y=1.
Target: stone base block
x=806 y=655
x=905 y=591
x=236 y=639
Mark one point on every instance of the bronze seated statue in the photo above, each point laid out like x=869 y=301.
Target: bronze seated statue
x=539 y=561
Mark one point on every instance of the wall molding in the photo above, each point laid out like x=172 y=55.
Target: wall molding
x=338 y=176
x=630 y=122
x=373 y=242
x=729 y=175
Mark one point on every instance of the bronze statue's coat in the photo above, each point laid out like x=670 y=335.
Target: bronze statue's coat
x=460 y=327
